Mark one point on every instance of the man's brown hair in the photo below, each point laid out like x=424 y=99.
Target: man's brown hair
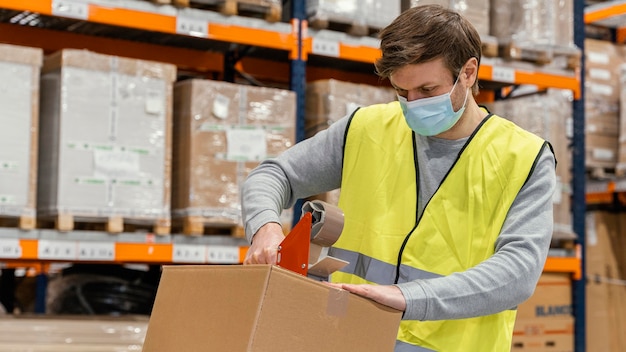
x=424 y=33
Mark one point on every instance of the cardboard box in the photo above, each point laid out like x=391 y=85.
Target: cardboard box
x=539 y=335
x=262 y=308
x=552 y=298
x=19 y=99
x=105 y=142
x=605 y=313
x=222 y=132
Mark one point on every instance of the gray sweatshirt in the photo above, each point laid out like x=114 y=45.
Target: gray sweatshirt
x=501 y=282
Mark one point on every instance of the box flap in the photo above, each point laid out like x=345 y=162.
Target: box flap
x=206 y=306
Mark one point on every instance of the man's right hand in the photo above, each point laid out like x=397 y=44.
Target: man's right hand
x=265 y=242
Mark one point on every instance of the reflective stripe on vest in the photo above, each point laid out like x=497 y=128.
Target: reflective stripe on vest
x=459 y=225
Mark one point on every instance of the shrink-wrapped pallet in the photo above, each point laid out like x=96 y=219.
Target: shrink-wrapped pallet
x=224 y=130
x=19 y=98
x=105 y=144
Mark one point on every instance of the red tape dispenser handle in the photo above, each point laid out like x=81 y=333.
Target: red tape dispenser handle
x=293 y=252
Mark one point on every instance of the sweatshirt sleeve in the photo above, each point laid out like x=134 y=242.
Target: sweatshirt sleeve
x=508 y=277
x=310 y=167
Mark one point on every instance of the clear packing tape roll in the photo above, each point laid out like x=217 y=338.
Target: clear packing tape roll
x=326 y=228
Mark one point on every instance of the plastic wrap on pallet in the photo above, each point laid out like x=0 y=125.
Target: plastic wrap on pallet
x=476 y=11
x=329 y=100
x=106 y=142
x=523 y=22
x=19 y=98
x=374 y=14
x=549 y=116
x=344 y=11
x=224 y=130
x=621 y=152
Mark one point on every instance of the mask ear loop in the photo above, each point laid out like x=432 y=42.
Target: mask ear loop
x=466 y=91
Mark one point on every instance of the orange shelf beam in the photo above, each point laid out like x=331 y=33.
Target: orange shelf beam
x=604 y=13
x=43 y=7
x=50 y=41
x=143 y=252
x=167 y=24
x=564 y=265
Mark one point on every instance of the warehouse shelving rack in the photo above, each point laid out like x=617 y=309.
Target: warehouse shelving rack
x=201 y=42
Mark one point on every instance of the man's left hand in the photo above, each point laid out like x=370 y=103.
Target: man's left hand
x=388 y=295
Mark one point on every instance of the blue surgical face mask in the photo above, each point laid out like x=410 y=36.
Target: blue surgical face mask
x=431 y=116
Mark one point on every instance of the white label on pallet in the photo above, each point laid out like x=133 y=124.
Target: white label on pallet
x=10 y=248
x=92 y=250
x=192 y=27
x=222 y=254
x=246 y=144
x=503 y=74
x=325 y=47
x=57 y=250
x=188 y=253
x=68 y=8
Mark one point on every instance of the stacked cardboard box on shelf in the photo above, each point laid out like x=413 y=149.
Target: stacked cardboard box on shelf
x=545 y=322
x=105 y=146
x=605 y=315
x=222 y=131
x=19 y=99
x=549 y=116
x=329 y=100
x=602 y=94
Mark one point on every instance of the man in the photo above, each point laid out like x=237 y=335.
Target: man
x=448 y=208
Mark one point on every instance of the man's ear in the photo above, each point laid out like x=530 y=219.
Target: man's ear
x=470 y=72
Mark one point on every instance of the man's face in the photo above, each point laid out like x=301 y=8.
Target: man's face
x=426 y=80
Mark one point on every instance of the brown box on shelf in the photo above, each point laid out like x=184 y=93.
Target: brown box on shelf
x=329 y=100
x=262 y=308
x=605 y=313
x=603 y=60
x=105 y=144
x=543 y=335
x=601 y=151
x=224 y=130
x=19 y=98
x=552 y=298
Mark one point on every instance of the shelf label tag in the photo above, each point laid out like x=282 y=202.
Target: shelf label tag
x=192 y=27
x=57 y=249
x=325 y=47
x=68 y=8
x=503 y=74
x=10 y=248
x=223 y=255
x=188 y=253
x=92 y=250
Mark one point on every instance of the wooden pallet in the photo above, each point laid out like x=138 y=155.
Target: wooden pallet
x=354 y=28
x=200 y=225
x=268 y=10
x=601 y=173
x=541 y=56
x=23 y=222
x=114 y=224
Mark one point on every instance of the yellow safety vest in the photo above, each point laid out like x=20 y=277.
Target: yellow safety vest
x=384 y=241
